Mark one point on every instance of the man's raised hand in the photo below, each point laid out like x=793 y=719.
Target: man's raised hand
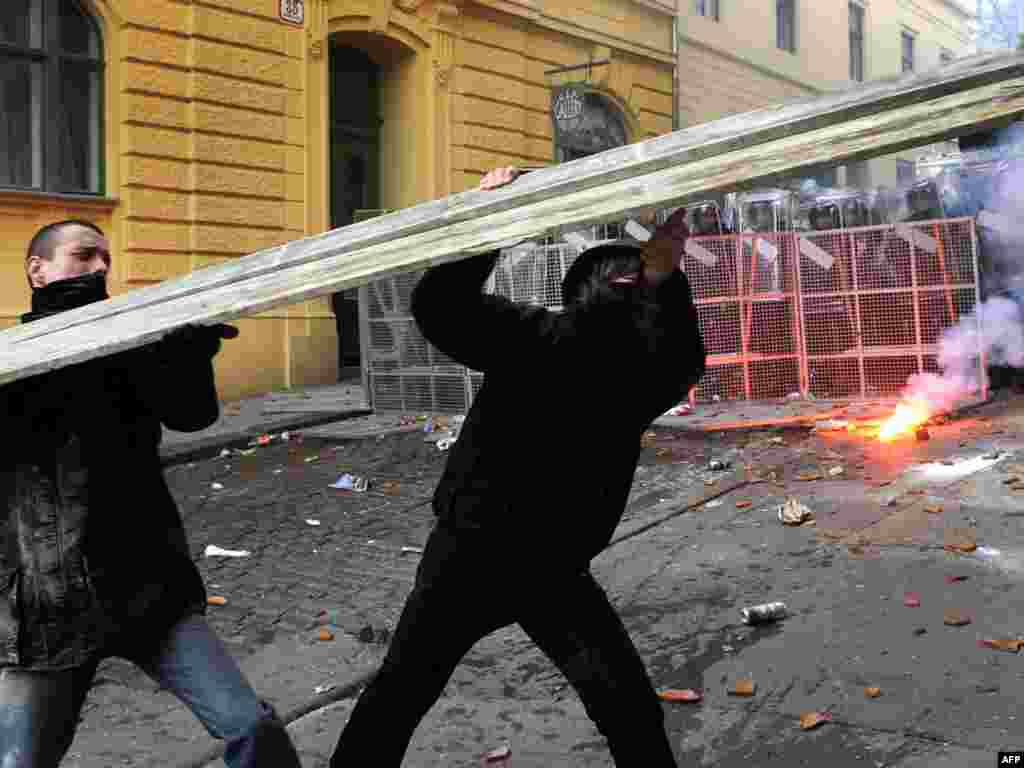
x=499 y=177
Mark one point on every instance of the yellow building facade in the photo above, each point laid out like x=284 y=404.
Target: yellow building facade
x=739 y=55
x=223 y=127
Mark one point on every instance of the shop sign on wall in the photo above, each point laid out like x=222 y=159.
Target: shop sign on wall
x=567 y=111
x=293 y=11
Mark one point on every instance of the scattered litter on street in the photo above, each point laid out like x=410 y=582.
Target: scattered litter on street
x=919 y=631
x=710 y=482
x=325 y=634
x=743 y=687
x=808 y=476
x=323 y=688
x=499 y=754
x=743 y=503
x=765 y=613
x=680 y=695
x=954 y=579
x=960 y=540
x=955 y=619
x=717 y=465
x=217 y=486
x=810 y=720
x=831 y=425
x=310 y=521
x=263 y=439
x=713 y=503
x=872 y=692
x=225 y=452
x=933 y=509
x=310 y=459
x=912 y=600
x=987 y=553
x=216 y=600
x=1011 y=646
x=794 y=513
x=412 y=550
x=215 y=551
x=349 y=482
x=390 y=487
x=446 y=443
x=835 y=471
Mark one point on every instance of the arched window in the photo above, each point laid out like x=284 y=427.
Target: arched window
x=51 y=97
x=599 y=127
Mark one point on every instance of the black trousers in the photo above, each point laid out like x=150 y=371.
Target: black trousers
x=468 y=585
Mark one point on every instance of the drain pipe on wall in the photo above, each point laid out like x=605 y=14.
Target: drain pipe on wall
x=675 y=69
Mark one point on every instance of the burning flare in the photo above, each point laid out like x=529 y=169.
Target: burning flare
x=909 y=415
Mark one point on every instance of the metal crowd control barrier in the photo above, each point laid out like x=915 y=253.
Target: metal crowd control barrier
x=842 y=314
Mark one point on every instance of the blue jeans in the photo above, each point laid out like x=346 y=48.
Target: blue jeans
x=39 y=710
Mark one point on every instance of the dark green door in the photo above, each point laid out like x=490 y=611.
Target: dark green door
x=355 y=168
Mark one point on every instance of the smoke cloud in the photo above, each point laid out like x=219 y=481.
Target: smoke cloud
x=995 y=331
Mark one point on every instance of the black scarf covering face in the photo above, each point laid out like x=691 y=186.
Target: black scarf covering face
x=62 y=295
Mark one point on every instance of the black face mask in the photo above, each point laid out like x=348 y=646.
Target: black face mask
x=62 y=295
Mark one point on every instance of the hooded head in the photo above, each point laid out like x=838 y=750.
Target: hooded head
x=592 y=274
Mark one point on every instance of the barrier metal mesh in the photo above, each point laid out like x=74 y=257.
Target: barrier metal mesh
x=836 y=314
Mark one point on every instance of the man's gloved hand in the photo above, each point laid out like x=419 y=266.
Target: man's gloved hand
x=195 y=341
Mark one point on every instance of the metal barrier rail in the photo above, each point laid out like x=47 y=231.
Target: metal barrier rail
x=845 y=314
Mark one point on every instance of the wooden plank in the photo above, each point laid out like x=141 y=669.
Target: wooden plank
x=878 y=118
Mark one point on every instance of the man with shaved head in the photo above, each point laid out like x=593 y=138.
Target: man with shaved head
x=93 y=557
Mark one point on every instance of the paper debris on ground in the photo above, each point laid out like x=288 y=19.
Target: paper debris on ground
x=744 y=687
x=680 y=695
x=497 y=755
x=794 y=513
x=955 y=619
x=216 y=600
x=810 y=720
x=215 y=551
x=349 y=482
x=1012 y=646
x=960 y=540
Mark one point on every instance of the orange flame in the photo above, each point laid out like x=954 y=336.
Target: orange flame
x=909 y=415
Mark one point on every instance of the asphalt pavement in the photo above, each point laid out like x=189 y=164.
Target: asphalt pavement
x=912 y=561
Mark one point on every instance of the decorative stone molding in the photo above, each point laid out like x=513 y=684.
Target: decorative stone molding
x=316 y=26
x=409 y=6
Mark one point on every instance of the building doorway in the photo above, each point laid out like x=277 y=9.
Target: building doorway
x=355 y=126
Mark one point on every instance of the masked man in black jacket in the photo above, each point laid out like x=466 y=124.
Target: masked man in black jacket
x=521 y=514
x=93 y=556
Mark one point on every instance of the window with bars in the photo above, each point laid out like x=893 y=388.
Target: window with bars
x=785 y=25
x=857 y=42
x=707 y=8
x=51 y=99
x=907 y=49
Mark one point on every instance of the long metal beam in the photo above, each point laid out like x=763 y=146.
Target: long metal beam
x=971 y=95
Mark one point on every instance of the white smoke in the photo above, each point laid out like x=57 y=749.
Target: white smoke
x=994 y=332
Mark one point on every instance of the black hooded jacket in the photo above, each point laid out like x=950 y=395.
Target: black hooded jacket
x=547 y=453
